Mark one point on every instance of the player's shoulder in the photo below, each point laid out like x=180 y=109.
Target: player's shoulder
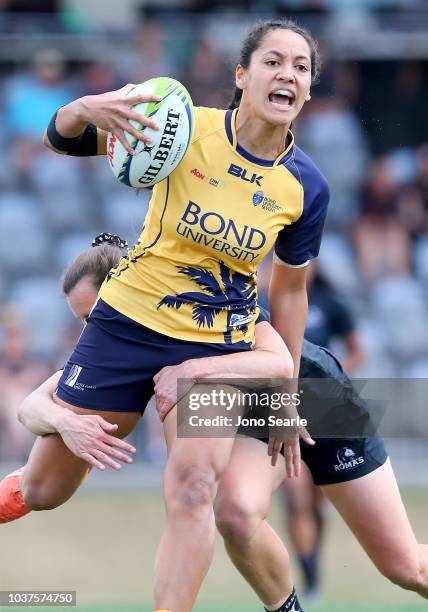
x=318 y=362
x=307 y=173
x=208 y=121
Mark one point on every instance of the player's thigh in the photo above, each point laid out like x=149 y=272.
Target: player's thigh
x=54 y=467
x=125 y=421
x=52 y=470
x=170 y=428
x=249 y=479
x=373 y=509
x=193 y=462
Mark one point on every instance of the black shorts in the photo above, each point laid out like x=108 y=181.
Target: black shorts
x=336 y=460
x=116 y=358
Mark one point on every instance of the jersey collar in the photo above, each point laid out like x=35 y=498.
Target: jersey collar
x=230 y=126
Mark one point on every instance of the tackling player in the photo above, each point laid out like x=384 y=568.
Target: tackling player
x=328 y=319
x=360 y=494
x=49 y=479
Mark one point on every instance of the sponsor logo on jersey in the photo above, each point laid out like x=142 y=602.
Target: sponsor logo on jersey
x=239 y=319
x=267 y=204
x=271 y=206
x=216 y=182
x=208 y=179
x=198 y=174
x=347 y=459
x=72 y=379
x=244 y=174
x=258 y=198
x=73 y=375
x=221 y=234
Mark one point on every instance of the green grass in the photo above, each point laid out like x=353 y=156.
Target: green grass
x=102 y=545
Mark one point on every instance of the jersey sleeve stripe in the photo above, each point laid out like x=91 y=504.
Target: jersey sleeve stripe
x=280 y=262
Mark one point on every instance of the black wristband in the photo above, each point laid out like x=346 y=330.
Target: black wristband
x=84 y=145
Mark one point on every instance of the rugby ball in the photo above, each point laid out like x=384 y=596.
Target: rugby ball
x=151 y=163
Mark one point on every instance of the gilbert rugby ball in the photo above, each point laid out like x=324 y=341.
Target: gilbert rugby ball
x=151 y=163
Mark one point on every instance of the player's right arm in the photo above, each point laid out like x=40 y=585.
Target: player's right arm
x=108 y=112
x=83 y=434
x=38 y=412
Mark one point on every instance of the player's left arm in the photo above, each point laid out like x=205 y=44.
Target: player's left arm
x=288 y=303
x=269 y=359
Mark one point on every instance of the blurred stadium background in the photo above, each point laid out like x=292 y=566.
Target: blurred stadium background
x=367 y=129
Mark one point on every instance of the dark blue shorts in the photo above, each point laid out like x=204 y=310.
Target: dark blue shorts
x=116 y=358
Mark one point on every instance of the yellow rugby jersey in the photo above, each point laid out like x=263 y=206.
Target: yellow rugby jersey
x=192 y=274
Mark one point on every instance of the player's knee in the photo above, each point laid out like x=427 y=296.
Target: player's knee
x=40 y=497
x=405 y=573
x=194 y=487
x=298 y=506
x=237 y=521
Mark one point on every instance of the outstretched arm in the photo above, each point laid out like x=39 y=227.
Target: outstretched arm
x=38 y=412
x=82 y=434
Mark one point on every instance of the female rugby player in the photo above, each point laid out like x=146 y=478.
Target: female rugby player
x=272 y=195
x=328 y=319
x=360 y=491
x=87 y=436
x=243 y=498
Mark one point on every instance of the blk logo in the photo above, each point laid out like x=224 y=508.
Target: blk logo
x=241 y=173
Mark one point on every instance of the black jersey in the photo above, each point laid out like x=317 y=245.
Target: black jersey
x=327 y=318
x=315 y=361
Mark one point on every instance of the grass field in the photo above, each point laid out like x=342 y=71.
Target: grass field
x=102 y=545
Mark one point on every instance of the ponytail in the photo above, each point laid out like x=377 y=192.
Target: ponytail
x=234 y=103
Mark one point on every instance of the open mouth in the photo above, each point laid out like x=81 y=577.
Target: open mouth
x=281 y=98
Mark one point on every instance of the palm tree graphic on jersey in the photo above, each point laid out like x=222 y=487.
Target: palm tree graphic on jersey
x=236 y=293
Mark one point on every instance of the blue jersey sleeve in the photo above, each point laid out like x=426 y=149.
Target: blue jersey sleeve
x=299 y=242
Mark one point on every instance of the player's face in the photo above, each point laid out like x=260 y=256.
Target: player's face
x=82 y=298
x=276 y=84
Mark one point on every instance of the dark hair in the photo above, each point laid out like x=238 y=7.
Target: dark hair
x=95 y=262
x=253 y=41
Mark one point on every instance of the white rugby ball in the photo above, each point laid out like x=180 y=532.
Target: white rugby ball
x=151 y=163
